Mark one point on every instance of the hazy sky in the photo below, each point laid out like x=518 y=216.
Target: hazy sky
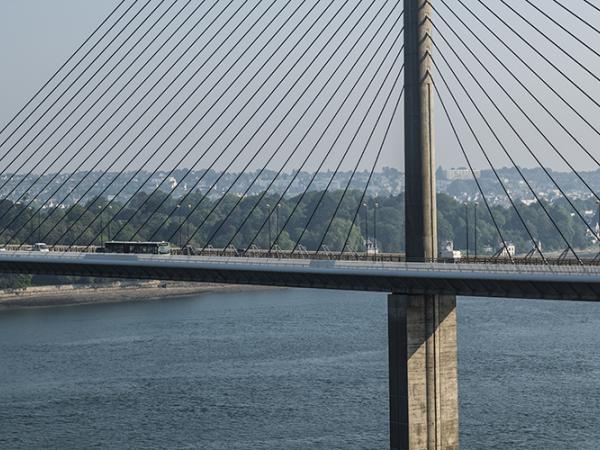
x=37 y=36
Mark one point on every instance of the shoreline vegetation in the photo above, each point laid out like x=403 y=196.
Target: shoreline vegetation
x=335 y=220
x=116 y=292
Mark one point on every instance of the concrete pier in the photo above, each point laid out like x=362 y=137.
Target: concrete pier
x=422 y=328
x=423 y=372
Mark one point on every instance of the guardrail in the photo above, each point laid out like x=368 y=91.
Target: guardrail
x=304 y=254
x=395 y=257
x=54 y=248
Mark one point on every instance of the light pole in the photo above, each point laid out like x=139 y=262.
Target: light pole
x=375 y=225
x=467 y=226
x=475 y=212
x=269 y=226
x=109 y=221
x=277 y=231
x=39 y=220
x=366 y=226
x=180 y=223
x=32 y=227
x=187 y=226
x=101 y=226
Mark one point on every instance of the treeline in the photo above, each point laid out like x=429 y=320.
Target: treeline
x=296 y=220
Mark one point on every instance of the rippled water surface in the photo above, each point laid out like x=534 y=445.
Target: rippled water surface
x=285 y=369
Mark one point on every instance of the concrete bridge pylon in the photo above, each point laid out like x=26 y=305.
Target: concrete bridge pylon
x=422 y=328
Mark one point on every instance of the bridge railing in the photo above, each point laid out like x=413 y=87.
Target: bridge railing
x=392 y=257
x=279 y=254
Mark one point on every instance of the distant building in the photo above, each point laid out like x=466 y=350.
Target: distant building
x=528 y=202
x=509 y=251
x=457 y=174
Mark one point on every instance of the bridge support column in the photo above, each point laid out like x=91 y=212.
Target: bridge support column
x=423 y=372
x=422 y=328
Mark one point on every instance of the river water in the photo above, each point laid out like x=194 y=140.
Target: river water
x=285 y=369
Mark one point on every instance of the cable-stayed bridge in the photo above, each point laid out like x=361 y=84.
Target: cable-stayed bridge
x=164 y=93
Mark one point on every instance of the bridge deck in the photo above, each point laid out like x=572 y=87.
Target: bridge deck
x=564 y=282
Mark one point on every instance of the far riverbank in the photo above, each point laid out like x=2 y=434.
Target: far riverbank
x=118 y=292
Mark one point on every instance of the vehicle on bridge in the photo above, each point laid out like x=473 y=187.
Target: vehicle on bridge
x=152 y=248
x=40 y=247
x=448 y=252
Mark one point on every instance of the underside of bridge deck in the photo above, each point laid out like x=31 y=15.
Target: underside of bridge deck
x=468 y=284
